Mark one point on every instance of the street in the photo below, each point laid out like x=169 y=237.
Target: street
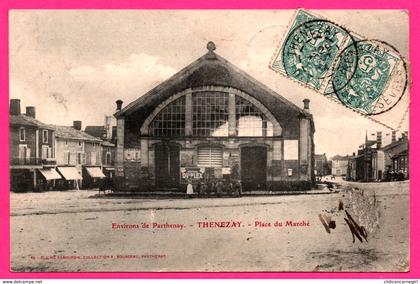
x=82 y=231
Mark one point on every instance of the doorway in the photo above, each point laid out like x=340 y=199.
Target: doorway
x=254 y=168
x=167 y=166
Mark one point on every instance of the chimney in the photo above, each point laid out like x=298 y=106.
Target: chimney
x=306 y=104
x=30 y=111
x=119 y=104
x=14 y=107
x=77 y=124
x=379 y=140
x=394 y=136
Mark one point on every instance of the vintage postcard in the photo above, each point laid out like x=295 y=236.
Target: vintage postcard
x=209 y=141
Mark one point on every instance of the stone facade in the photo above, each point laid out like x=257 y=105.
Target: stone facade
x=281 y=149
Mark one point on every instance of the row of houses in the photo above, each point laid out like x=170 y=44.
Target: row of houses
x=375 y=161
x=45 y=157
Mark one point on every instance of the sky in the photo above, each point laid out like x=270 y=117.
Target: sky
x=74 y=65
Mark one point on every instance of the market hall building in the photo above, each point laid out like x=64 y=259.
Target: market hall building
x=213 y=119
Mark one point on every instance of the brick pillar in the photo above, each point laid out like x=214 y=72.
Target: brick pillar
x=119 y=159
x=188 y=115
x=232 y=115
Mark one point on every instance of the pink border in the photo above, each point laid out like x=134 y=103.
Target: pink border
x=414 y=11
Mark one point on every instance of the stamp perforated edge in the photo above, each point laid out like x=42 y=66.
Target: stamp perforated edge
x=331 y=98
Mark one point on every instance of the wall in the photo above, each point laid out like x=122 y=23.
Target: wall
x=138 y=171
x=132 y=132
x=63 y=146
x=93 y=151
x=105 y=150
x=339 y=167
x=49 y=143
x=30 y=141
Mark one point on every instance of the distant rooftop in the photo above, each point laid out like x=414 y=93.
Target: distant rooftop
x=340 y=158
x=96 y=131
x=69 y=132
x=319 y=156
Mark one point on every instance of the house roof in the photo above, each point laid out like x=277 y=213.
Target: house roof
x=108 y=144
x=27 y=121
x=402 y=141
x=96 y=131
x=69 y=132
x=340 y=158
x=320 y=156
x=213 y=70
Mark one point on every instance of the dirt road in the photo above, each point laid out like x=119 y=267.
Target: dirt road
x=68 y=231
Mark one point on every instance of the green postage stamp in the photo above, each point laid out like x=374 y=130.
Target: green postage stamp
x=368 y=76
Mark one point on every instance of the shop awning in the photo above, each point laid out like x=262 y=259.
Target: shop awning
x=50 y=174
x=95 y=172
x=69 y=173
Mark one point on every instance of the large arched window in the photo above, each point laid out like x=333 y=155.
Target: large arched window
x=250 y=121
x=210 y=114
x=170 y=121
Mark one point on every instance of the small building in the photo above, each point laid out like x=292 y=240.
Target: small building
x=79 y=157
x=339 y=165
x=108 y=159
x=32 y=152
x=322 y=167
x=356 y=167
x=212 y=119
x=393 y=160
x=108 y=136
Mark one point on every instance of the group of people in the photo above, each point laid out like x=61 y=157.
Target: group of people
x=215 y=187
x=394 y=176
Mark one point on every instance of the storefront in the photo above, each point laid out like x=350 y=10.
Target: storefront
x=93 y=177
x=71 y=178
x=213 y=117
x=48 y=178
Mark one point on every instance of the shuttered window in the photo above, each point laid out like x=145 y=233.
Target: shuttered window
x=210 y=157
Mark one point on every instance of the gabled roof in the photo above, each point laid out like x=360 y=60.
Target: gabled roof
x=340 y=158
x=69 y=132
x=25 y=120
x=96 y=131
x=213 y=70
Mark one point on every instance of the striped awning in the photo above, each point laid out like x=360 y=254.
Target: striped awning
x=69 y=173
x=210 y=157
x=50 y=174
x=95 y=172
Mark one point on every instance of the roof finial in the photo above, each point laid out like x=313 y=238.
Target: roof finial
x=211 y=47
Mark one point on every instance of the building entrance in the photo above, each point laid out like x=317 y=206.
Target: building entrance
x=167 y=166
x=254 y=168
